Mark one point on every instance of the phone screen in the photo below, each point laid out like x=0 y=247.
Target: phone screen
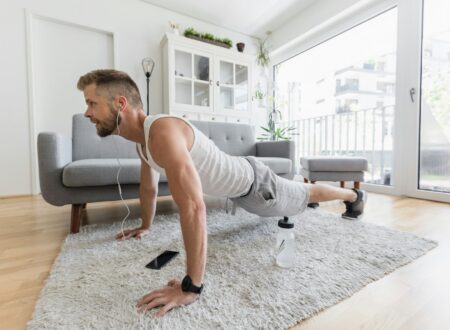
x=162 y=259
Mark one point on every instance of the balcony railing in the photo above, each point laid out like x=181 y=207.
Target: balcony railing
x=366 y=133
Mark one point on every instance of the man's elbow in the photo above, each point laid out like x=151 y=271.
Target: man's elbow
x=195 y=208
x=150 y=192
x=200 y=206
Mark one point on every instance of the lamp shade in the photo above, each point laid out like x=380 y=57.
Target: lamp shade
x=148 y=65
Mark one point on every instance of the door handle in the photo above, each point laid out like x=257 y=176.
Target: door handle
x=412 y=92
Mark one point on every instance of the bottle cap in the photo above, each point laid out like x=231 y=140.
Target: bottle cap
x=285 y=223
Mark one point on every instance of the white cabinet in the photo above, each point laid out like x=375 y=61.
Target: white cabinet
x=206 y=82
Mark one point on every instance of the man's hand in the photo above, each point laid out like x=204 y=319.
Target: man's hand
x=168 y=297
x=129 y=233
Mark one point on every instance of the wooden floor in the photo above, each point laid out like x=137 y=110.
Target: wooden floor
x=416 y=296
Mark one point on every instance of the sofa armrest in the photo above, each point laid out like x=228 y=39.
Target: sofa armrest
x=54 y=153
x=282 y=149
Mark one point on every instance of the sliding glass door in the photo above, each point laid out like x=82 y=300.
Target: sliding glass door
x=340 y=95
x=426 y=98
x=434 y=147
x=380 y=89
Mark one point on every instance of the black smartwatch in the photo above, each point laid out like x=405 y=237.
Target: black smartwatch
x=187 y=285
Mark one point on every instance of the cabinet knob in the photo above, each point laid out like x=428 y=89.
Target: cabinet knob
x=217 y=83
x=184 y=116
x=213 y=118
x=210 y=82
x=238 y=120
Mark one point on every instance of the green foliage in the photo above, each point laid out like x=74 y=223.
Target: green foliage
x=277 y=135
x=191 y=32
x=207 y=36
x=274 y=133
x=259 y=95
x=226 y=41
x=262 y=58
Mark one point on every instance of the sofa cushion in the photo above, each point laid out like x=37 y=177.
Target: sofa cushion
x=333 y=176
x=102 y=172
x=276 y=164
x=233 y=139
x=88 y=145
x=333 y=164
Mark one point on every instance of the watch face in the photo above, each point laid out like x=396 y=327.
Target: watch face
x=185 y=285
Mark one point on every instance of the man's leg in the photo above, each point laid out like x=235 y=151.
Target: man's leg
x=323 y=193
x=353 y=199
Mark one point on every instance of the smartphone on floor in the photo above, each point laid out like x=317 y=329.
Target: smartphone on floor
x=161 y=260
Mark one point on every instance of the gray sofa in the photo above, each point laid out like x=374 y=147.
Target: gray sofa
x=82 y=169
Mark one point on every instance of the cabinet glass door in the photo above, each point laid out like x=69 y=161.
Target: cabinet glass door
x=183 y=77
x=241 y=89
x=233 y=86
x=192 y=79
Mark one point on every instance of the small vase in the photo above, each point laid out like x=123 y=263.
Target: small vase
x=240 y=47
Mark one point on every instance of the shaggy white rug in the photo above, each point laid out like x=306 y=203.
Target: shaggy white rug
x=96 y=281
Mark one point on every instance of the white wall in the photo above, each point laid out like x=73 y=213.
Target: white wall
x=138 y=28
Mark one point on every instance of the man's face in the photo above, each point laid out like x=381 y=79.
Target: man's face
x=100 y=111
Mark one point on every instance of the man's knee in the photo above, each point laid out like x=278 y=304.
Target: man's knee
x=314 y=193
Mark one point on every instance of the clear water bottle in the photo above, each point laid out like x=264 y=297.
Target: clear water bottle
x=285 y=248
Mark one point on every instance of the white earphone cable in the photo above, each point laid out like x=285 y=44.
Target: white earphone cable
x=117 y=177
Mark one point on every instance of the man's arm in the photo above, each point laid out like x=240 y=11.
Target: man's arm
x=148 y=193
x=187 y=193
x=170 y=149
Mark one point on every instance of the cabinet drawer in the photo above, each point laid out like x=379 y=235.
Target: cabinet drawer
x=212 y=118
x=187 y=115
x=239 y=120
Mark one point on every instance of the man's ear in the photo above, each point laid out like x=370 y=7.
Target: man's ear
x=121 y=102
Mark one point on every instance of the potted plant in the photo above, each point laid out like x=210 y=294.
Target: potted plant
x=259 y=94
x=273 y=131
x=207 y=37
x=262 y=57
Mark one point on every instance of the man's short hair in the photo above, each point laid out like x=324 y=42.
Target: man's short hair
x=111 y=83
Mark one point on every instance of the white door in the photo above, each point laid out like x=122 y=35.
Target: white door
x=60 y=52
x=426 y=157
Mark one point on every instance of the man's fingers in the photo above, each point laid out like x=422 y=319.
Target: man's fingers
x=165 y=309
x=153 y=304
x=149 y=297
x=124 y=234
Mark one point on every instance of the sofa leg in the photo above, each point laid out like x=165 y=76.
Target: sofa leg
x=75 y=218
x=356 y=184
x=342 y=184
x=305 y=180
x=83 y=206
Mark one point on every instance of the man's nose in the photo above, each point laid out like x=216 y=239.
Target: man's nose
x=87 y=113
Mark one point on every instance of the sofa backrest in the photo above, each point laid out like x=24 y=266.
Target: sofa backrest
x=234 y=139
x=86 y=144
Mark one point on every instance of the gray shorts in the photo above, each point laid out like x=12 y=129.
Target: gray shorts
x=271 y=195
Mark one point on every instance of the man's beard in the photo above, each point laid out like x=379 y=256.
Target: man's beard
x=107 y=127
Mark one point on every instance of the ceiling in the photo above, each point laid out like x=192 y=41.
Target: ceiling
x=250 y=17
